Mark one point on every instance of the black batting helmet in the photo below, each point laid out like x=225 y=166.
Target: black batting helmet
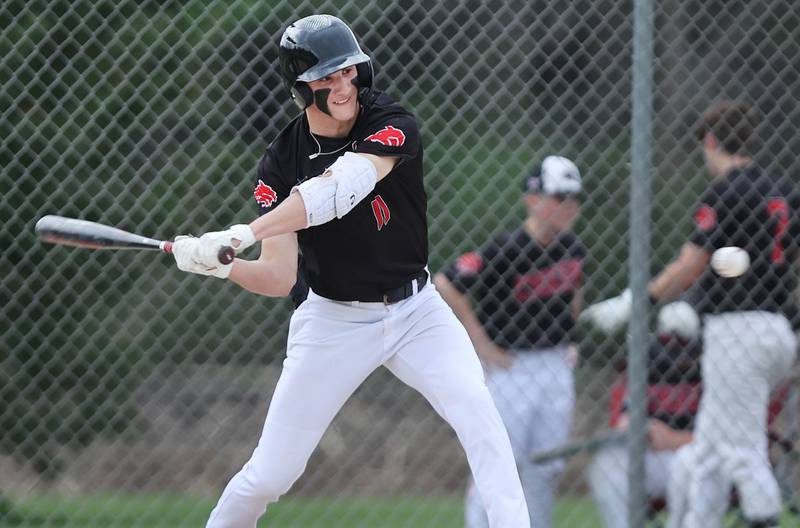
x=316 y=46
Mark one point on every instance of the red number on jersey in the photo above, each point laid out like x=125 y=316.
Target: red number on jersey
x=381 y=212
x=779 y=211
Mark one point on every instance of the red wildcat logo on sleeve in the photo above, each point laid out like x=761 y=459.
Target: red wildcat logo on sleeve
x=264 y=194
x=705 y=218
x=389 y=136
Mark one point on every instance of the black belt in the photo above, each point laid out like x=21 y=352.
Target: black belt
x=402 y=292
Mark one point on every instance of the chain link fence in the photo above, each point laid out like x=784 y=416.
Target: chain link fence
x=131 y=392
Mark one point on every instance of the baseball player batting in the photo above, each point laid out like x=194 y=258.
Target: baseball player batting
x=344 y=183
x=749 y=345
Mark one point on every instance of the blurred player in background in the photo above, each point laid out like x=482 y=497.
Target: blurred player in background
x=673 y=389
x=344 y=182
x=526 y=284
x=749 y=345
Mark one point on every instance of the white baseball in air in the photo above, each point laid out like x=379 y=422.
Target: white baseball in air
x=730 y=261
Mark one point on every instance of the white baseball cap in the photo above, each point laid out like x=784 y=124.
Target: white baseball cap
x=554 y=175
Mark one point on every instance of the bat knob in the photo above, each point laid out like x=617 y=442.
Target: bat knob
x=226 y=255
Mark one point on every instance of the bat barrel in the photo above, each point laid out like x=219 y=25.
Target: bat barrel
x=91 y=235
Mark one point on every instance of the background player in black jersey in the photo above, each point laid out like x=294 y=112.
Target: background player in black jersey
x=343 y=183
x=673 y=394
x=748 y=341
x=526 y=286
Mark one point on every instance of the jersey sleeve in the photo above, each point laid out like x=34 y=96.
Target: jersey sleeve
x=792 y=238
x=473 y=268
x=577 y=255
x=270 y=189
x=711 y=216
x=390 y=134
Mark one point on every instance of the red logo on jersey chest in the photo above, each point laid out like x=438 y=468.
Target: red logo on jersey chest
x=705 y=218
x=264 y=194
x=561 y=277
x=389 y=136
x=381 y=212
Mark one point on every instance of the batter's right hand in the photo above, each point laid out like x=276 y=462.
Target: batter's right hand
x=190 y=257
x=494 y=356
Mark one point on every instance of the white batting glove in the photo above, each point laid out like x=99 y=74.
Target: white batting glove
x=239 y=237
x=609 y=315
x=678 y=318
x=189 y=257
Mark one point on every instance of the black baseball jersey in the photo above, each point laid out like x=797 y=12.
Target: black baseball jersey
x=673 y=382
x=522 y=290
x=756 y=211
x=382 y=243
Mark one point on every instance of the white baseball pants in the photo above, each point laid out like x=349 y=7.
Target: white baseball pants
x=746 y=354
x=332 y=347
x=608 y=480
x=535 y=398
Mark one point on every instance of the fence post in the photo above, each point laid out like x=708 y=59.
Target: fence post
x=641 y=157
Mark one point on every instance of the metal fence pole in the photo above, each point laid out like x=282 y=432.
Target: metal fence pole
x=641 y=148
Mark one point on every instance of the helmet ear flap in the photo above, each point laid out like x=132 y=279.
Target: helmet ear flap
x=363 y=82
x=302 y=95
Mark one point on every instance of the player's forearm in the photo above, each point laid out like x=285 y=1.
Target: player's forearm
x=674 y=439
x=319 y=199
x=263 y=277
x=288 y=217
x=669 y=284
x=462 y=307
x=576 y=305
x=680 y=274
x=681 y=438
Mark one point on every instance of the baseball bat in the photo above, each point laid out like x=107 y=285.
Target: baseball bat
x=92 y=235
x=588 y=445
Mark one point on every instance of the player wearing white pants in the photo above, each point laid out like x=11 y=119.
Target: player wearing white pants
x=747 y=340
x=535 y=398
x=526 y=286
x=333 y=346
x=608 y=479
x=746 y=355
x=342 y=185
x=673 y=393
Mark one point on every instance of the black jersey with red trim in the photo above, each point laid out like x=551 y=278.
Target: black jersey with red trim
x=673 y=382
x=523 y=291
x=382 y=243
x=674 y=385
x=751 y=209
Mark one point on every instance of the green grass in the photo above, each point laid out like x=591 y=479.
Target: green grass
x=109 y=511
x=175 y=511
